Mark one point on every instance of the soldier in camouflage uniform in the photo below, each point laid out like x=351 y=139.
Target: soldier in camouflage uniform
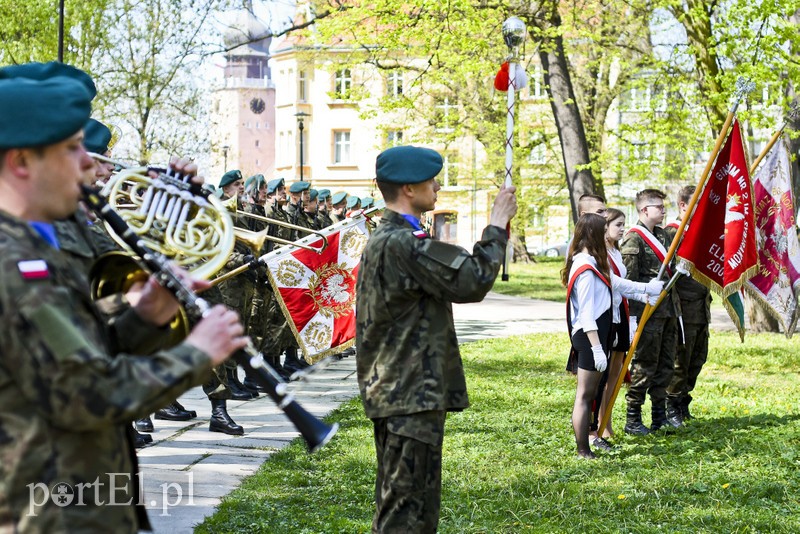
x=691 y=354
x=275 y=333
x=410 y=372
x=237 y=294
x=60 y=365
x=298 y=196
x=309 y=217
x=651 y=367
x=338 y=206
x=324 y=207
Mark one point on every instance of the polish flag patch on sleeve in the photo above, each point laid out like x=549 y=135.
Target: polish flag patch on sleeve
x=420 y=234
x=33 y=269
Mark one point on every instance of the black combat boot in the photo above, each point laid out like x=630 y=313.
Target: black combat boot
x=175 y=412
x=238 y=391
x=633 y=424
x=674 y=414
x=293 y=363
x=660 y=419
x=685 y=408
x=144 y=425
x=221 y=421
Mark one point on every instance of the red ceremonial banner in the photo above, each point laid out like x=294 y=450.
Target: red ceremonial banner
x=317 y=292
x=719 y=243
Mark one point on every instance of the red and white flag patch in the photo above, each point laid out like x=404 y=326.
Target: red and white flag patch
x=420 y=234
x=33 y=269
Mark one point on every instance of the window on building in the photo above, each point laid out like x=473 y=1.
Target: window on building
x=450 y=170
x=445 y=114
x=536 y=87
x=341 y=146
x=639 y=99
x=538 y=155
x=394 y=83
x=342 y=84
x=394 y=138
x=288 y=81
x=257 y=143
x=302 y=86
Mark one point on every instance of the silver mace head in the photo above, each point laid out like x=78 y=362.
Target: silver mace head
x=513 y=32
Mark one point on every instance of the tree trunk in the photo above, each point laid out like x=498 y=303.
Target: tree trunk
x=760 y=319
x=794 y=124
x=571 y=133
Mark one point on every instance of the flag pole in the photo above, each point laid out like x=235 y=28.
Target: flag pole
x=793 y=112
x=513 y=35
x=742 y=88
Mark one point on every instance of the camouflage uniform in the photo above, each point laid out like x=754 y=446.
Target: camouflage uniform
x=408 y=363
x=323 y=219
x=57 y=358
x=236 y=293
x=277 y=334
x=651 y=367
x=82 y=240
x=691 y=355
x=293 y=213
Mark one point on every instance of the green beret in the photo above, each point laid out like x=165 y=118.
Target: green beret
x=273 y=185
x=299 y=187
x=229 y=177
x=255 y=182
x=312 y=194
x=366 y=202
x=41 y=112
x=352 y=201
x=45 y=71
x=407 y=165
x=338 y=197
x=324 y=193
x=96 y=137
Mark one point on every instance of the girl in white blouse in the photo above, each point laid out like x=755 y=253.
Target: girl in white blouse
x=590 y=286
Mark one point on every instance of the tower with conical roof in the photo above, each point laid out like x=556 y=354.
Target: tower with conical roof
x=243 y=108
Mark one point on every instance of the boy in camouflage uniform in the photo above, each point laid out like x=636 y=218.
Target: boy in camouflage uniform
x=643 y=249
x=692 y=351
x=408 y=364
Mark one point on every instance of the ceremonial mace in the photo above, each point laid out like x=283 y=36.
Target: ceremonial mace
x=514 y=36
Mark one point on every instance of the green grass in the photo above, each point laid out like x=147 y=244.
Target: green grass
x=540 y=280
x=509 y=462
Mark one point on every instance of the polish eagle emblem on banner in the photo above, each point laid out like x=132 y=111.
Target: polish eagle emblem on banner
x=317 y=291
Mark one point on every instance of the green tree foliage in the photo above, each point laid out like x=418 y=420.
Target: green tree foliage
x=29 y=31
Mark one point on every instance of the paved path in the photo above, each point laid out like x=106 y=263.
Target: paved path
x=188 y=469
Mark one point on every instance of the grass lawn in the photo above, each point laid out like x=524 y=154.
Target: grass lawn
x=510 y=465
x=540 y=280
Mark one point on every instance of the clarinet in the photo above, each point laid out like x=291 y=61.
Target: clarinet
x=315 y=432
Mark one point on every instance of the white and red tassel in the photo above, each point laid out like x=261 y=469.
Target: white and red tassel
x=520 y=78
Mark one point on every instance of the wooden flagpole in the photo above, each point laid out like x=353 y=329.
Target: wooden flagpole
x=742 y=88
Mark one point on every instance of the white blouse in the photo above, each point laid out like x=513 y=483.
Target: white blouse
x=590 y=297
x=622 y=287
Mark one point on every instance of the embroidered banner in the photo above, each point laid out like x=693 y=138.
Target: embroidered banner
x=777 y=282
x=317 y=292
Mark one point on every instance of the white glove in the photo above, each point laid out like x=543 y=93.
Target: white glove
x=600 y=360
x=652 y=300
x=654 y=287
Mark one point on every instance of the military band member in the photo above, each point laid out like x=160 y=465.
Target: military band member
x=338 y=206
x=298 y=195
x=59 y=355
x=324 y=206
x=353 y=205
x=409 y=368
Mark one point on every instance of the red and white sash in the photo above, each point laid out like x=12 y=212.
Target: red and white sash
x=612 y=262
x=673 y=224
x=580 y=270
x=654 y=244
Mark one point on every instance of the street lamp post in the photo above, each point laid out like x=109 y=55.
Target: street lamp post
x=301 y=115
x=225 y=158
